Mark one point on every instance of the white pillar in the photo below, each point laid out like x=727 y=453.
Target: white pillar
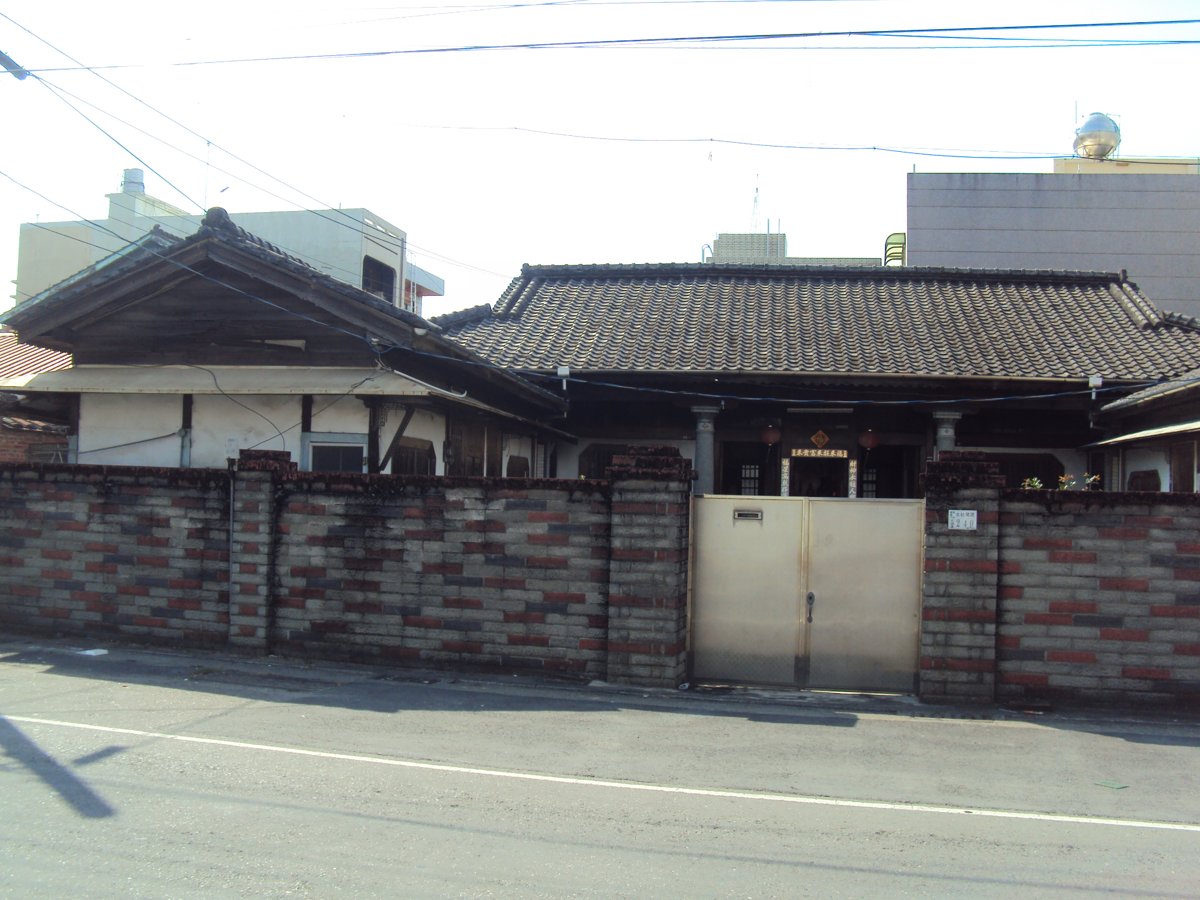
x=946 y=423
x=706 y=440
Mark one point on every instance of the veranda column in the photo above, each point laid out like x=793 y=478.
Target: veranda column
x=947 y=423
x=706 y=434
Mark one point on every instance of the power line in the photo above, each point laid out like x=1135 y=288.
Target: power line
x=610 y=43
x=108 y=135
x=402 y=247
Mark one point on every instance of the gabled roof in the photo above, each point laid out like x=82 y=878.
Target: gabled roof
x=784 y=320
x=226 y=297
x=157 y=259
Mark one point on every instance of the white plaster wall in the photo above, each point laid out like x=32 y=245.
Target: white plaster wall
x=1147 y=458
x=120 y=430
x=254 y=422
x=340 y=415
x=1148 y=225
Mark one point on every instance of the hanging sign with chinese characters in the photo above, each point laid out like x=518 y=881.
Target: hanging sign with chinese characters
x=827 y=453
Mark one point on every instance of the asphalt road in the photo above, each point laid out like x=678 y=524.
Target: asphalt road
x=146 y=774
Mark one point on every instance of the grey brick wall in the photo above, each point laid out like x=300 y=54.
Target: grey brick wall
x=93 y=550
x=1080 y=597
x=581 y=578
x=1101 y=600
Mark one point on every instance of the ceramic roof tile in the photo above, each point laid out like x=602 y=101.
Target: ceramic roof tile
x=783 y=319
x=25 y=359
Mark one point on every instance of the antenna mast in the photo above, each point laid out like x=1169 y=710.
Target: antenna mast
x=754 y=212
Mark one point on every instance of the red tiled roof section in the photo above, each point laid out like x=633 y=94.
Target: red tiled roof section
x=26 y=359
x=783 y=319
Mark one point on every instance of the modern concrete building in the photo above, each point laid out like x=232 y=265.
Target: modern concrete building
x=353 y=245
x=756 y=247
x=1105 y=215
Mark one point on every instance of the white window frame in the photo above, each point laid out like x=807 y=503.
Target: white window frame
x=312 y=439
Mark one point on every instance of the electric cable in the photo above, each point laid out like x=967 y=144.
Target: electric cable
x=344 y=219
x=609 y=43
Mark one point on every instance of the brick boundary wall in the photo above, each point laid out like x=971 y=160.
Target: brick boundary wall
x=1100 y=600
x=586 y=579
x=137 y=553
x=1081 y=597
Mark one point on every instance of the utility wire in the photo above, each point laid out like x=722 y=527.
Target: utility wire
x=342 y=218
x=108 y=135
x=609 y=43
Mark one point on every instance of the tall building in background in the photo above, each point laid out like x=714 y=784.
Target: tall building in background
x=353 y=245
x=756 y=248
x=1094 y=212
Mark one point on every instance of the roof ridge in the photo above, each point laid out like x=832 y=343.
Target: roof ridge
x=1180 y=320
x=531 y=271
x=463 y=316
x=1140 y=310
x=218 y=221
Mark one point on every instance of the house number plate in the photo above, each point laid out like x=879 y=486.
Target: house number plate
x=962 y=520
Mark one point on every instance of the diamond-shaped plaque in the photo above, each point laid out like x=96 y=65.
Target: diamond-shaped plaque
x=820 y=439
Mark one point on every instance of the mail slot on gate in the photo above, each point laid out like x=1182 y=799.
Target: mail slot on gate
x=747 y=515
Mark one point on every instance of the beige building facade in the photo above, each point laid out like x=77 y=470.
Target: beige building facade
x=353 y=245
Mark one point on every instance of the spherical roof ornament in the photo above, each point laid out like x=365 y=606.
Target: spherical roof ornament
x=1098 y=137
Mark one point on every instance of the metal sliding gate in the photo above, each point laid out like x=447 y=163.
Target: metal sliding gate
x=815 y=593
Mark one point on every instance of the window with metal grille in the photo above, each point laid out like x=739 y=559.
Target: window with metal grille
x=750 y=479
x=870 y=483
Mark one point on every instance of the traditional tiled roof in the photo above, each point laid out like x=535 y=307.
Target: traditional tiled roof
x=1173 y=390
x=782 y=319
x=26 y=359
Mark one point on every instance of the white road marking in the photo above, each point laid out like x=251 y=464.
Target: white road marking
x=625 y=785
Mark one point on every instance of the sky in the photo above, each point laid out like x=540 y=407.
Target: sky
x=571 y=131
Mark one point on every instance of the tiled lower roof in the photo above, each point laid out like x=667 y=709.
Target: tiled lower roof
x=802 y=320
x=1188 y=383
x=26 y=359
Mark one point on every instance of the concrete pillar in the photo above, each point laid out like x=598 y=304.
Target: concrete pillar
x=648 y=570
x=706 y=439
x=253 y=520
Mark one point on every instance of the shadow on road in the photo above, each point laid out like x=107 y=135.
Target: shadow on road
x=375 y=688
x=370 y=688
x=59 y=778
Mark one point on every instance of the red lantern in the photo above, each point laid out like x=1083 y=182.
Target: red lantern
x=770 y=435
x=868 y=440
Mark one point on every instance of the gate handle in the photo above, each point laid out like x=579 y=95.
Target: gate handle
x=812 y=598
